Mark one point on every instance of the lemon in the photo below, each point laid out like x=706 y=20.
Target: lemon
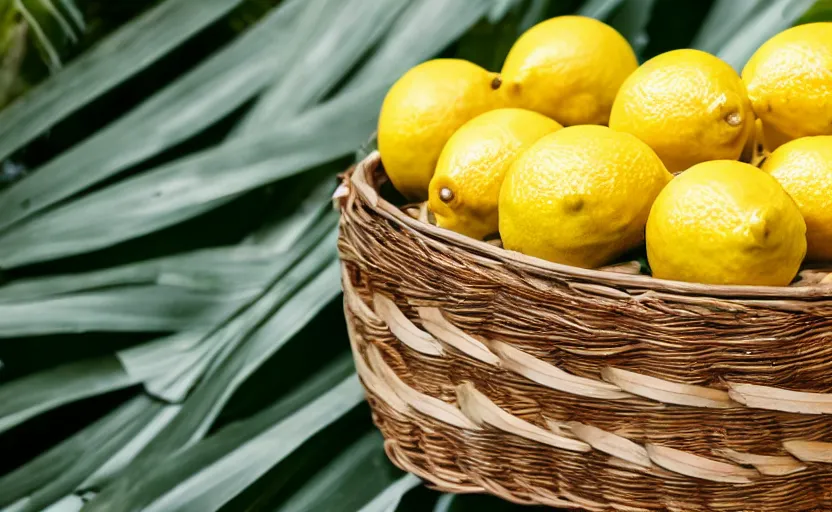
x=580 y=196
x=568 y=68
x=725 y=222
x=804 y=169
x=789 y=81
x=687 y=105
x=465 y=189
x=421 y=112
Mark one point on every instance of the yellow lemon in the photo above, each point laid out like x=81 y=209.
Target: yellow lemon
x=804 y=169
x=725 y=222
x=789 y=81
x=421 y=112
x=687 y=105
x=466 y=186
x=580 y=196
x=568 y=68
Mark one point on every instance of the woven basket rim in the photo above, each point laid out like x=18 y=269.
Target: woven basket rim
x=367 y=190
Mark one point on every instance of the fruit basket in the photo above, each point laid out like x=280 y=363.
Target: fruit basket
x=493 y=372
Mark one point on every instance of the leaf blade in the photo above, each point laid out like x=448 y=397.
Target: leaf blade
x=31 y=395
x=213 y=391
x=199 y=98
x=356 y=26
x=186 y=463
x=599 y=9
x=415 y=36
x=631 y=21
x=263 y=452
x=349 y=481
x=58 y=471
x=153 y=308
x=723 y=19
x=131 y=49
x=187 y=187
x=778 y=16
x=188 y=356
x=389 y=499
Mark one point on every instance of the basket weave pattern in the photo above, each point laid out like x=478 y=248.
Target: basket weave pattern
x=489 y=371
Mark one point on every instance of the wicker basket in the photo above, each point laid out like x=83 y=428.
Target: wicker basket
x=489 y=371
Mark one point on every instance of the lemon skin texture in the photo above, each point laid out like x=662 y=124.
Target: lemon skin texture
x=804 y=168
x=473 y=164
x=580 y=196
x=687 y=105
x=421 y=112
x=725 y=223
x=789 y=82
x=568 y=68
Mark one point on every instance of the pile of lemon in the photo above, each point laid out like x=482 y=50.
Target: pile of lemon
x=576 y=154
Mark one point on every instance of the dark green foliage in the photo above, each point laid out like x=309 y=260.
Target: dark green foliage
x=170 y=318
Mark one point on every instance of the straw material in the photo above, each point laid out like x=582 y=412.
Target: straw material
x=490 y=371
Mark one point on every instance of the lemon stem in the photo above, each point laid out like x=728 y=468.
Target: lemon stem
x=734 y=119
x=446 y=194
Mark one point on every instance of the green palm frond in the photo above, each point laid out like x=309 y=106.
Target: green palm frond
x=601 y=9
x=220 y=378
x=13 y=46
x=131 y=49
x=28 y=27
x=770 y=18
x=39 y=15
x=820 y=11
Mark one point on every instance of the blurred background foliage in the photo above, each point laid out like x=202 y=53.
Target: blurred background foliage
x=171 y=333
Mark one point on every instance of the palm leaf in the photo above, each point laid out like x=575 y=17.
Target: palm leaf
x=187 y=360
x=67 y=27
x=184 y=189
x=242 y=268
x=775 y=17
x=168 y=367
x=445 y=503
x=201 y=97
x=73 y=13
x=213 y=460
x=821 y=11
x=389 y=499
x=217 y=483
x=57 y=472
x=631 y=21
x=52 y=57
x=537 y=11
x=724 y=18
x=160 y=308
x=39 y=392
x=226 y=269
x=131 y=49
x=600 y=9
x=351 y=480
x=415 y=36
x=360 y=25
x=71 y=503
